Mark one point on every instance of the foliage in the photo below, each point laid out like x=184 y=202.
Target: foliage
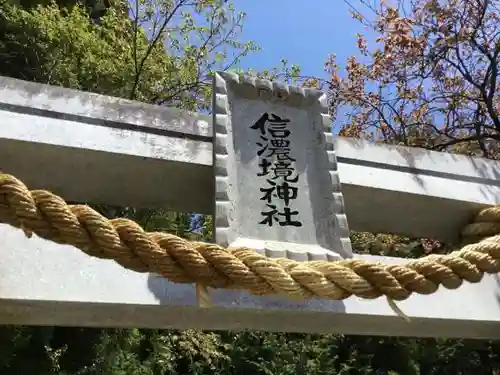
x=284 y=73
x=164 y=54
x=430 y=79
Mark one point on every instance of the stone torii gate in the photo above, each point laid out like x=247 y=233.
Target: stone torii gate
x=98 y=149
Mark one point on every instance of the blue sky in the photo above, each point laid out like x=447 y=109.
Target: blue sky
x=302 y=32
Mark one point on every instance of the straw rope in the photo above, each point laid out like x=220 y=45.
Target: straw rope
x=209 y=265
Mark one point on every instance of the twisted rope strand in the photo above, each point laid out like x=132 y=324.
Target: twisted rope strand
x=182 y=261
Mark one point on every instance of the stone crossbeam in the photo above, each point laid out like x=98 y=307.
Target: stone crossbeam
x=42 y=283
x=412 y=191
x=98 y=149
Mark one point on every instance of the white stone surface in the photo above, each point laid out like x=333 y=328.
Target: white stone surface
x=412 y=191
x=96 y=164
x=85 y=107
x=47 y=284
x=273 y=158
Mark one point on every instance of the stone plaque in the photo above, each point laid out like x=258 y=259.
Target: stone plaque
x=276 y=179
